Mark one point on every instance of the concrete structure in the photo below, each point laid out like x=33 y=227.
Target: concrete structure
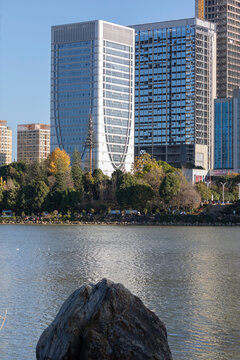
x=93 y=78
x=175 y=74
x=194 y=176
x=5 y=143
x=226 y=15
x=227 y=132
x=33 y=142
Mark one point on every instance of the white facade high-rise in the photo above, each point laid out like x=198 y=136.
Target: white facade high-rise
x=92 y=74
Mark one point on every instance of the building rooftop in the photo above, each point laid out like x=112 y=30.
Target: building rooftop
x=174 y=23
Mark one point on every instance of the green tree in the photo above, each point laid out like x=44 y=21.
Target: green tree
x=99 y=176
x=77 y=173
x=100 y=184
x=123 y=190
x=143 y=164
x=36 y=171
x=1 y=196
x=60 y=178
x=166 y=167
x=16 y=171
x=10 y=199
x=135 y=196
x=202 y=189
x=170 y=186
x=39 y=194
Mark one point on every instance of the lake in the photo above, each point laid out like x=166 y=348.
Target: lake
x=189 y=276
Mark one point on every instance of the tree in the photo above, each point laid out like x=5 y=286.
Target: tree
x=143 y=164
x=154 y=178
x=203 y=190
x=123 y=192
x=99 y=176
x=16 y=171
x=100 y=184
x=88 y=182
x=166 y=167
x=207 y=193
x=10 y=198
x=140 y=195
x=1 y=195
x=170 y=186
x=39 y=194
x=60 y=178
x=36 y=171
x=135 y=196
x=59 y=159
x=187 y=197
x=76 y=170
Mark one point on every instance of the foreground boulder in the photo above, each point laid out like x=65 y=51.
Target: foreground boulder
x=104 y=322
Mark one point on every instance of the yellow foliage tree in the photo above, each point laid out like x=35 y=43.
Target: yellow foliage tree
x=2 y=183
x=59 y=159
x=143 y=164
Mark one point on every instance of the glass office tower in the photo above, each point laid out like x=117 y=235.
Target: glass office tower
x=226 y=15
x=174 y=91
x=223 y=145
x=92 y=76
x=227 y=132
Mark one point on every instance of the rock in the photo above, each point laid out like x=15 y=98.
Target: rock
x=104 y=322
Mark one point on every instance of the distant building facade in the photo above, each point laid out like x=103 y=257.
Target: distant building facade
x=93 y=77
x=5 y=143
x=175 y=86
x=226 y=15
x=33 y=142
x=227 y=132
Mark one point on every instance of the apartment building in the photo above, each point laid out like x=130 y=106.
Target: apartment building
x=5 y=143
x=226 y=15
x=33 y=142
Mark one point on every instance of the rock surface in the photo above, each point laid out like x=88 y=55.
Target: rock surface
x=104 y=322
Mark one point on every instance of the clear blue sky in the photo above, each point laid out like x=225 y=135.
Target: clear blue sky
x=25 y=45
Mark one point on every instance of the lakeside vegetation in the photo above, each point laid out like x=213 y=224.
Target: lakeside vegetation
x=62 y=189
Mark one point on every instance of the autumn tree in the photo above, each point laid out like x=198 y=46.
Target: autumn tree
x=186 y=198
x=143 y=164
x=59 y=160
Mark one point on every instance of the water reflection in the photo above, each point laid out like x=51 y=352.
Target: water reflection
x=188 y=276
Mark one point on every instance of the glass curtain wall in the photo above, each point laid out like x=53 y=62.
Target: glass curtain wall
x=72 y=86
x=224 y=134
x=165 y=91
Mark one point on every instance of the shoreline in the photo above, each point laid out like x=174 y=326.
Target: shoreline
x=121 y=223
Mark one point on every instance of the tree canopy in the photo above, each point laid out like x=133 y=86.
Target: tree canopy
x=59 y=160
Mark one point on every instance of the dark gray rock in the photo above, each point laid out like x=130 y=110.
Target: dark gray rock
x=104 y=322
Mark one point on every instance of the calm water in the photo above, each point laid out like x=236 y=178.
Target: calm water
x=190 y=277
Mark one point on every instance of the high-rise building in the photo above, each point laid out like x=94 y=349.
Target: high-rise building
x=227 y=132
x=92 y=78
x=226 y=15
x=174 y=91
x=5 y=143
x=33 y=142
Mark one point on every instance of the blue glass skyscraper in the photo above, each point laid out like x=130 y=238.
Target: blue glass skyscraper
x=174 y=91
x=227 y=132
x=223 y=144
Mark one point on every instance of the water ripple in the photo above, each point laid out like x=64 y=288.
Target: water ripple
x=190 y=277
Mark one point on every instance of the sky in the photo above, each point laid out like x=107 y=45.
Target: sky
x=25 y=38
